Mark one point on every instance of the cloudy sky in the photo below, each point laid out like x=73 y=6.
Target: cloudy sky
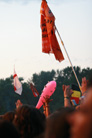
x=20 y=35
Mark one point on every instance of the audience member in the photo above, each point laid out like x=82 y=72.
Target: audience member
x=81 y=120
x=57 y=124
x=66 y=122
x=9 y=116
x=29 y=121
x=7 y=130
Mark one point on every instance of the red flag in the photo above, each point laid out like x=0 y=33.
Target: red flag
x=49 y=40
x=35 y=92
x=17 y=84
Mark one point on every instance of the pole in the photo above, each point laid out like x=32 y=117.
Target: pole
x=68 y=58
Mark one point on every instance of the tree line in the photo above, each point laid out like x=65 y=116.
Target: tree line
x=8 y=97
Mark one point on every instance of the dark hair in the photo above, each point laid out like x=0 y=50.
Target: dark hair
x=57 y=124
x=1 y=117
x=9 y=116
x=29 y=121
x=89 y=84
x=8 y=130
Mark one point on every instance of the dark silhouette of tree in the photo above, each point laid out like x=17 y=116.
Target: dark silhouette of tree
x=8 y=97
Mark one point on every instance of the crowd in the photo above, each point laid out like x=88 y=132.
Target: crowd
x=67 y=122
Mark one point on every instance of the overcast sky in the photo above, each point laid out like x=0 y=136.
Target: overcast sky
x=20 y=35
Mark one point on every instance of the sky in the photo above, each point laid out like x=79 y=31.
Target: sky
x=20 y=36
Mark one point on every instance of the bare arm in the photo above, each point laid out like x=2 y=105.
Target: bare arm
x=67 y=94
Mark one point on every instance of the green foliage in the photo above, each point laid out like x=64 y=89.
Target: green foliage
x=8 y=97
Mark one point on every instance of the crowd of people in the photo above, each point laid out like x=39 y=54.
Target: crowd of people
x=67 y=122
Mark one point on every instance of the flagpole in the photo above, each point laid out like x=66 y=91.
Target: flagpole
x=68 y=58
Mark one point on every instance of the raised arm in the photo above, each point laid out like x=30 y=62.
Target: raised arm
x=67 y=94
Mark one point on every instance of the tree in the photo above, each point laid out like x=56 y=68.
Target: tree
x=8 y=97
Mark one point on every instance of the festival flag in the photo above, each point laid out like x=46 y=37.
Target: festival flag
x=34 y=91
x=49 y=40
x=76 y=94
x=17 y=84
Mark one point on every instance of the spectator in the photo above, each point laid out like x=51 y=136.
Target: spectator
x=9 y=116
x=1 y=117
x=8 y=130
x=46 y=108
x=81 y=120
x=84 y=85
x=29 y=121
x=68 y=91
x=57 y=124
x=83 y=89
x=67 y=94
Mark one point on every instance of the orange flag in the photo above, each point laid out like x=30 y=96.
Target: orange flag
x=35 y=92
x=49 y=40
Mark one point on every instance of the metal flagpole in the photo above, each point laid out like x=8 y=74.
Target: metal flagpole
x=68 y=58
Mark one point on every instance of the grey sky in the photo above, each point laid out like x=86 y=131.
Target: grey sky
x=20 y=36
x=24 y=1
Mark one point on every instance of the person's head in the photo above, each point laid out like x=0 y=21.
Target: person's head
x=8 y=130
x=9 y=116
x=81 y=120
x=1 y=117
x=57 y=124
x=29 y=121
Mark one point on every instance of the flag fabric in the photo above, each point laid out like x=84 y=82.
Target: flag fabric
x=76 y=93
x=49 y=40
x=35 y=92
x=17 y=84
